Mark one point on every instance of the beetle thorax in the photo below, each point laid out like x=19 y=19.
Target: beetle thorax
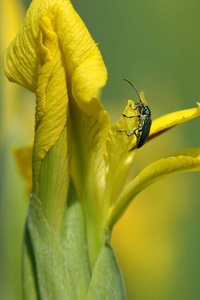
x=144 y=109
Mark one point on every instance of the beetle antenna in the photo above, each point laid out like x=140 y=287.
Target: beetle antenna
x=134 y=89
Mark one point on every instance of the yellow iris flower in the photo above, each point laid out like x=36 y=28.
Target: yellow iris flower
x=55 y=57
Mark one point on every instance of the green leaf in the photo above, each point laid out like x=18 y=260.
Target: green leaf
x=55 y=262
x=106 y=282
x=51 y=271
x=75 y=248
x=30 y=286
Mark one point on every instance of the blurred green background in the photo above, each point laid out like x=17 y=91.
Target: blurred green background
x=156 y=45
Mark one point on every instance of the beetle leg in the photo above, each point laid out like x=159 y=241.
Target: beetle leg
x=133 y=132
x=130 y=133
x=131 y=116
x=133 y=108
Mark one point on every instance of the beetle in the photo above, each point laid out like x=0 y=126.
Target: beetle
x=144 y=117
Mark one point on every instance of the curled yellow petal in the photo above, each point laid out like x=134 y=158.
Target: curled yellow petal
x=85 y=72
x=51 y=96
x=83 y=59
x=54 y=56
x=182 y=161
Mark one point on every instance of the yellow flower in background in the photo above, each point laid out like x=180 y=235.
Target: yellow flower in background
x=80 y=161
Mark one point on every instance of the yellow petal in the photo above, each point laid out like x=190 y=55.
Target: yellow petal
x=89 y=171
x=168 y=121
x=54 y=56
x=89 y=167
x=52 y=97
x=118 y=145
x=121 y=174
x=182 y=161
x=24 y=161
x=52 y=146
x=81 y=58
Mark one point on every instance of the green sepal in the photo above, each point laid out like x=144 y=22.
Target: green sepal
x=75 y=246
x=106 y=281
x=55 y=263
x=30 y=285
